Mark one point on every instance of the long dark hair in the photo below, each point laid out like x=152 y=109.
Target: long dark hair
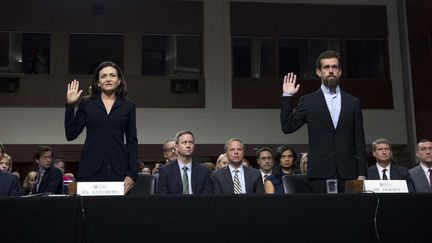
x=277 y=169
x=121 y=90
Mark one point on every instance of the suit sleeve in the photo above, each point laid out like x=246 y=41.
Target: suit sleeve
x=360 y=141
x=55 y=182
x=410 y=184
x=162 y=182
x=74 y=123
x=132 y=144
x=208 y=185
x=216 y=184
x=292 y=121
x=259 y=185
x=15 y=189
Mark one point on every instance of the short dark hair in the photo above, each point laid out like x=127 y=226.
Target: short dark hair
x=181 y=133
x=283 y=148
x=327 y=55
x=258 y=152
x=277 y=169
x=424 y=140
x=380 y=141
x=121 y=90
x=40 y=150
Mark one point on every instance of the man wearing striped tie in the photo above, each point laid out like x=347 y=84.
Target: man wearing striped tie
x=236 y=178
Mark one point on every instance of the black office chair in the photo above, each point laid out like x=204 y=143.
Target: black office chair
x=296 y=183
x=145 y=185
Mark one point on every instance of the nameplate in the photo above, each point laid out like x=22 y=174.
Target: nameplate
x=102 y=188
x=386 y=186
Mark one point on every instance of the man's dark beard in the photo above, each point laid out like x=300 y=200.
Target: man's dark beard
x=331 y=83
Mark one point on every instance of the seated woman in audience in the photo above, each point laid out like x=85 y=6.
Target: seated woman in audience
x=222 y=161
x=285 y=158
x=303 y=163
x=29 y=182
x=5 y=163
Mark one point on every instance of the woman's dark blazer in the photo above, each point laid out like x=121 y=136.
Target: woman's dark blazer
x=104 y=144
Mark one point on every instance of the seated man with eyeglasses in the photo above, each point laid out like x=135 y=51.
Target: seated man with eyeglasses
x=49 y=179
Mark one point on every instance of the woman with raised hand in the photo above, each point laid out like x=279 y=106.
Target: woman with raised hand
x=110 y=119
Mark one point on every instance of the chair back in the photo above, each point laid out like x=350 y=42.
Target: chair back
x=145 y=185
x=295 y=183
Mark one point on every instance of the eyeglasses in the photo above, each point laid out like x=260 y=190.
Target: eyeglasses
x=46 y=157
x=172 y=149
x=333 y=67
x=265 y=158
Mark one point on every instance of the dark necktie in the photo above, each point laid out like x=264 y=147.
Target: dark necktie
x=384 y=177
x=430 y=177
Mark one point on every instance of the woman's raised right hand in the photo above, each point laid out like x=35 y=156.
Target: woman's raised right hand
x=73 y=94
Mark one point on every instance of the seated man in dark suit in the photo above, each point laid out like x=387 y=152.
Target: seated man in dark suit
x=184 y=176
x=421 y=175
x=49 y=179
x=384 y=169
x=236 y=178
x=9 y=185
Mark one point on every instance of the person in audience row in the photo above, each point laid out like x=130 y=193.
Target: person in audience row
x=265 y=161
x=184 y=176
x=222 y=161
x=421 y=175
x=9 y=185
x=5 y=163
x=385 y=168
x=209 y=165
x=303 y=163
x=285 y=158
x=49 y=178
x=170 y=151
x=236 y=178
x=60 y=164
x=29 y=183
x=146 y=170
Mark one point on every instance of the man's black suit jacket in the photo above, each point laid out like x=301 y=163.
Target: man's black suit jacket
x=9 y=185
x=223 y=183
x=170 y=179
x=52 y=181
x=396 y=173
x=332 y=151
x=105 y=141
